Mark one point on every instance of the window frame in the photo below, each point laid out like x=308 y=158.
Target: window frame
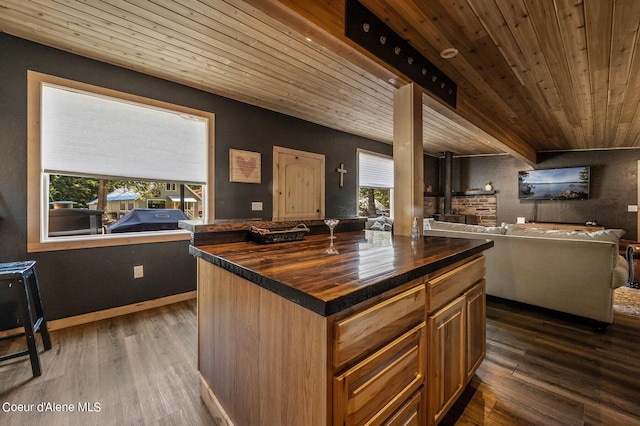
x=385 y=156
x=37 y=180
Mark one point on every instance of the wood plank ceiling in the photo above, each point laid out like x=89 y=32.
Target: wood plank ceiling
x=532 y=75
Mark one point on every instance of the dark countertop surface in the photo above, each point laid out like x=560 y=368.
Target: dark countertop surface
x=222 y=225
x=369 y=263
x=236 y=230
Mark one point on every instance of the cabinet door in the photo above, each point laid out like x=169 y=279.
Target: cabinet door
x=447 y=366
x=298 y=184
x=476 y=330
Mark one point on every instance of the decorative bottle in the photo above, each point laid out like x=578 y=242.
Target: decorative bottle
x=415 y=233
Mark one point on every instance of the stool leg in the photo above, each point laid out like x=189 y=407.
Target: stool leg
x=629 y=257
x=37 y=305
x=27 y=320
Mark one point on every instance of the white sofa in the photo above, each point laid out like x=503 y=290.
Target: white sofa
x=381 y=223
x=572 y=272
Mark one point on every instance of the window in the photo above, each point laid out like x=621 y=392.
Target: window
x=155 y=204
x=89 y=132
x=375 y=184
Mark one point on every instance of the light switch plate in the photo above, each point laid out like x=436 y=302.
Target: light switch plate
x=256 y=206
x=138 y=271
x=633 y=208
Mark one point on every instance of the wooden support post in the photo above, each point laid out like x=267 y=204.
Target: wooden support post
x=408 y=159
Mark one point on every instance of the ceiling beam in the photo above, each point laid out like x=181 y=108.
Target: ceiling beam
x=323 y=22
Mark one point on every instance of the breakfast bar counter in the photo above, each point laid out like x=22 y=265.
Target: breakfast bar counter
x=290 y=335
x=369 y=263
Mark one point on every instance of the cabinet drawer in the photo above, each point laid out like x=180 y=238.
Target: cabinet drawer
x=370 y=391
x=362 y=333
x=411 y=413
x=446 y=287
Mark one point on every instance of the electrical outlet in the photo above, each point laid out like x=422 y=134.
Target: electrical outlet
x=256 y=206
x=138 y=271
x=633 y=208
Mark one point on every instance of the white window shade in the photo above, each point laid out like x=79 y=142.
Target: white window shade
x=92 y=135
x=375 y=171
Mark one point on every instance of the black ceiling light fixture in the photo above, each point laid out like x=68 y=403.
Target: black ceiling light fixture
x=368 y=31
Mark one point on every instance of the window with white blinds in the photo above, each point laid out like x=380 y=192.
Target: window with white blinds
x=96 y=134
x=88 y=134
x=375 y=171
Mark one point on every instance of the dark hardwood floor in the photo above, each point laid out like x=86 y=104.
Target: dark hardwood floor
x=141 y=370
x=544 y=369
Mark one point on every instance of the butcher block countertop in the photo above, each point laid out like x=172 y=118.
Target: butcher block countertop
x=369 y=263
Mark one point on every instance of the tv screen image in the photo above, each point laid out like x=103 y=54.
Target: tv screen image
x=569 y=183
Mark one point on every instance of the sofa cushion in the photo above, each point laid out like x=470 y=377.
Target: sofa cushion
x=452 y=226
x=381 y=226
x=612 y=235
x=382 y=223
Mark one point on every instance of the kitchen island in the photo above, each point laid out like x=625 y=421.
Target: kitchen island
x=387 y=331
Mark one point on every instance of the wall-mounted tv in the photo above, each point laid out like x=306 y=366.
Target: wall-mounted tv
x=569 y=183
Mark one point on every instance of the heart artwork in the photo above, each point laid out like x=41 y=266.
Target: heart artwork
x=246 y=166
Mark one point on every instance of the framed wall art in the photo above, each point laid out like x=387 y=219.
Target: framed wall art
x=244 y=166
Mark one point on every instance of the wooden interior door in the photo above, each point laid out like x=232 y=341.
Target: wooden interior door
x=298 y=184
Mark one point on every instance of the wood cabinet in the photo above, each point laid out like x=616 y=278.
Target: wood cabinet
x=372 y=390
x=447 y=365
x=388 y=377
x=476 y=334
x=380 y=361
x=457 y=335
x=400 y=358
x=411 y=413
x=359 y=334
x=446 y=286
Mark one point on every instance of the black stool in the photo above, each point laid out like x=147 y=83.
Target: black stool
x=20 y=289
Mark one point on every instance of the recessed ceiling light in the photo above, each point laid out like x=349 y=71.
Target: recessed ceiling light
x=449 y=53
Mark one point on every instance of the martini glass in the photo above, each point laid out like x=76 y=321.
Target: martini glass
x=331 y=223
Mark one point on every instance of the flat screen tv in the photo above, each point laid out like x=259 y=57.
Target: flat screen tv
x=569 y=183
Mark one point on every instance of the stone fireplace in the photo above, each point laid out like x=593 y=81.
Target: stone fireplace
x=482 y=206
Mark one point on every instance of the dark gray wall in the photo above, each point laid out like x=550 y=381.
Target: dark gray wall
x=613 y=187
x=432 y=173
x=79 y=281
x=242 y=126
